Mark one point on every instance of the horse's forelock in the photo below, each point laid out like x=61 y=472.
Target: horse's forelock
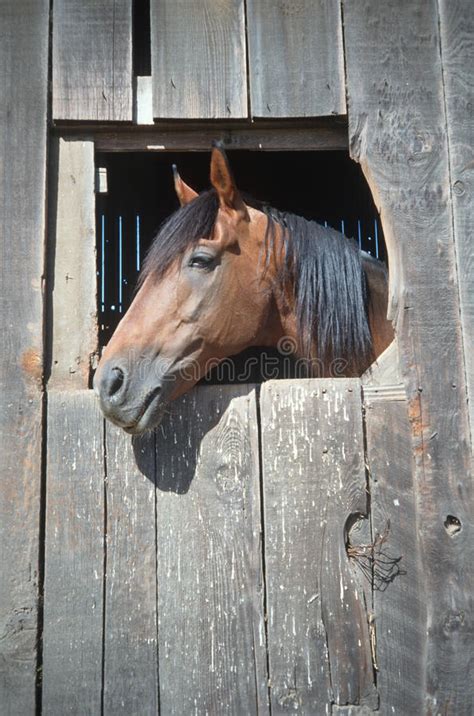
x=182 y=229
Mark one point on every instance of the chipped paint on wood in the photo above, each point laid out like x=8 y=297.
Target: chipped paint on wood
x=313 y=482
x=209 y=571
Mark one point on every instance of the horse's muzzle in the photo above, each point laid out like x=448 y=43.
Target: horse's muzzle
x=134 y=405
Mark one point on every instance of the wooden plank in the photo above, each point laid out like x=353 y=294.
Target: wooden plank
x=314 y=482
x=399 y=587
x=144 y=100
x=210 y=592
x=130 y=648
x=92 y=60
x=296 y=63
x=198 y=59
x=23 y=127
x=398 y=133
x=457 y=51
x=74 y=286
x=316 y=138
x=74 y=555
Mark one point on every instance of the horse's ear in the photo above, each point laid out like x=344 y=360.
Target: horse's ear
x=223 y=182
x=184 y=192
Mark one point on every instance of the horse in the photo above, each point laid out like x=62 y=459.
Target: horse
x=225 y=273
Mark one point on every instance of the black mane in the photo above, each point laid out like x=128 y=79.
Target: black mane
x=324 y=268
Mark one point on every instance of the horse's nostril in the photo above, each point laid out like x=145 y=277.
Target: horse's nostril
x=115 y=381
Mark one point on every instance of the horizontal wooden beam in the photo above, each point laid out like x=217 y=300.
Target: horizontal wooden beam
x=313 y=136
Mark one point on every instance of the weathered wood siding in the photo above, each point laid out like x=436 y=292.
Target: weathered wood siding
x=92 y=60
x=23 y=114
x=122 y=579
x=314 y=482
x=214 y=569
x=130 y=624
x=399 y=596
x=296 y=60
x=209 y=573
x=228 y=60
x=74 y=555
x=193 y=572
x=198 y=59
x=457 y=54
x=398 y=132
x=72 y=250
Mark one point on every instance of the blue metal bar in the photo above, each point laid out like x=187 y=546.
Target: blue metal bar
x=342 y=226
x=120 y=278
x=376 y=234
x=102 y=263
x=359 y=233
x=137 y=235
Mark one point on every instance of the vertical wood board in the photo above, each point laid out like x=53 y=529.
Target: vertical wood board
x=210 y=593
x=23 y=126
x=399 y=588
x=92 y=60
x=74 y=555
x=198 y=59
x=73 y=255
x=314 y=482
x=130 y=648
x=296 y=63
x=457 y=53
x=398 y=131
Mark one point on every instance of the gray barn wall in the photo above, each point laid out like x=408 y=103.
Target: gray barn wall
x=403 y=77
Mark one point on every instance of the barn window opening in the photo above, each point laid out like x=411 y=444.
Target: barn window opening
x=139 y=195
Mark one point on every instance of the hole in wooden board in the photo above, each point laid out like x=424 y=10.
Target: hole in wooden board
x=452 y=525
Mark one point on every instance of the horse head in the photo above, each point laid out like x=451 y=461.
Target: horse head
x=224 y=274
x=202 y=297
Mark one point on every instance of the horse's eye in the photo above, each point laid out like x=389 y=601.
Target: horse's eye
x=201 y=261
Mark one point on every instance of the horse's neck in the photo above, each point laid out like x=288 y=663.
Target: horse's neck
x=284 y=319
x=380 y=328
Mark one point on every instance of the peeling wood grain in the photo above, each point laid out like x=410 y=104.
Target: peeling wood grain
x=400 y=591
x=23 y=131
x=296 y=63
x=198 y=59
x=74 y=555
x=92 y=60
x=314 y=482
x=210 y=591
x=130 y=637
x=397 y=127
